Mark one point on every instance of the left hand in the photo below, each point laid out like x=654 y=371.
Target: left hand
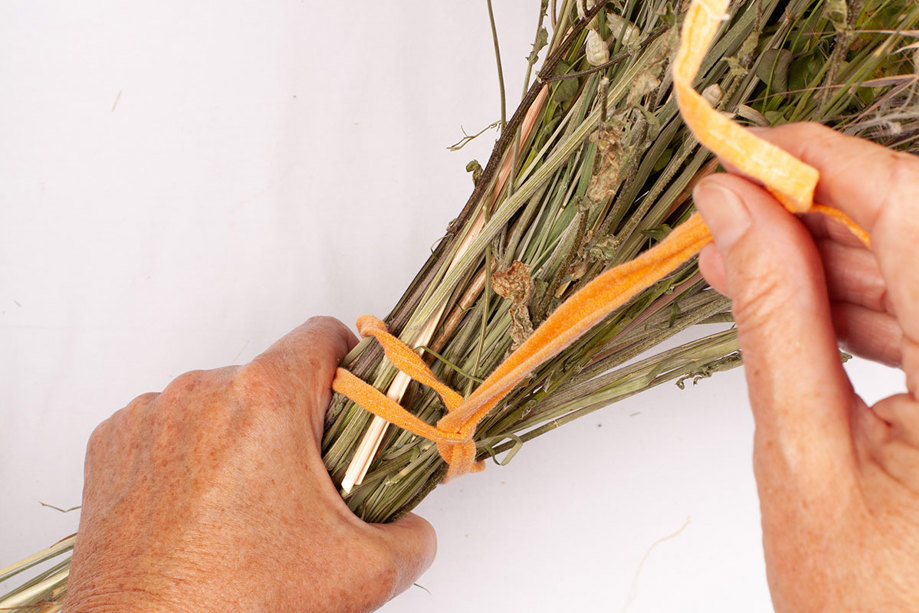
x=212 y=496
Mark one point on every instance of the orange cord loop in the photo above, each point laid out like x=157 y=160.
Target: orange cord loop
x=790 y=180
x=455 y=445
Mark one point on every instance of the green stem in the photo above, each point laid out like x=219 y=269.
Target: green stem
x=494 y=37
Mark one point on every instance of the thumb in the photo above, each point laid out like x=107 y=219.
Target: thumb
x=765 y=261
x=412 y=543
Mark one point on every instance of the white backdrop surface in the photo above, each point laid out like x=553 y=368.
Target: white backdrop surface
x=182 y=183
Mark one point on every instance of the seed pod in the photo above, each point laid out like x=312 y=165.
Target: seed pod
x=619 y=26
x=596 y=49
x=713 y=94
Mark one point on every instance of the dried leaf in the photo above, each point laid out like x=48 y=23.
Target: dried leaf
x=566 y=89
x=542 y=39
x=773 y=68
x=605 y=249
x=605 y=178
x=622 y=29
x=837 y=12
x=476 y=169
x=646 y=82
x=713 y=94
x=740 y=63
x=516 y=284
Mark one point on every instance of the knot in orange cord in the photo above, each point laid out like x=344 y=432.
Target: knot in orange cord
x=791 y=181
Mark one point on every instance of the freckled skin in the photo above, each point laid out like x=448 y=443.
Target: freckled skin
x=212 y=495
x=838 y=480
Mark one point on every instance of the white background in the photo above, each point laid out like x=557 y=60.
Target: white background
x=181 y=183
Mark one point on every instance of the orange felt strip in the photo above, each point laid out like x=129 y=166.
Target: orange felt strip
x=456 y=449
x=791 y=181
x=854 y=228
x=577 y=315
x=406 y=359
x=365 y=395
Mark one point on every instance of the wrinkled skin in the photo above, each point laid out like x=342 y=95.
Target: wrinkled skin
x=212 y=496
x=838 y=480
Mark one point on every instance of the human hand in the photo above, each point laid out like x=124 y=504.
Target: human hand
x=838 y=480
x=212 y=495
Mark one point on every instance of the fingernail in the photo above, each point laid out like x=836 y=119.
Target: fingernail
x=724 y=212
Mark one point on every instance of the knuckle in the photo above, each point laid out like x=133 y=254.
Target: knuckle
x=878 y=298
x=183 y=385
x=256 y=382
x=904 y=167
x=812 y=129
x=815 y=138
x=99 y=438
x=761 y=298
x=901 y=187
x=95 y=451
x=332 y=330
x=324 y=321
x=121 y=424
x=193 y=397
x=319 y=320
x=142 y=401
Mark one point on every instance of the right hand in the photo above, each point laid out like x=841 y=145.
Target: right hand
x=838 y=480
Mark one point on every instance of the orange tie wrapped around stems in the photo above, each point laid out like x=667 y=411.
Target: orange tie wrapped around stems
x=790 y=180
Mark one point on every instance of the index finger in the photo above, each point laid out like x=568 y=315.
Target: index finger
x=857 y=176
x=879 y=189
x=302 y=364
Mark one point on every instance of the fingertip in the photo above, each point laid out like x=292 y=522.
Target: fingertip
x=423 y=533
x=412 y=545
x=723 y=209
x=335 y=328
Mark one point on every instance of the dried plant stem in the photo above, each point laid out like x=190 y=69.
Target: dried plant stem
x=494 y=37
